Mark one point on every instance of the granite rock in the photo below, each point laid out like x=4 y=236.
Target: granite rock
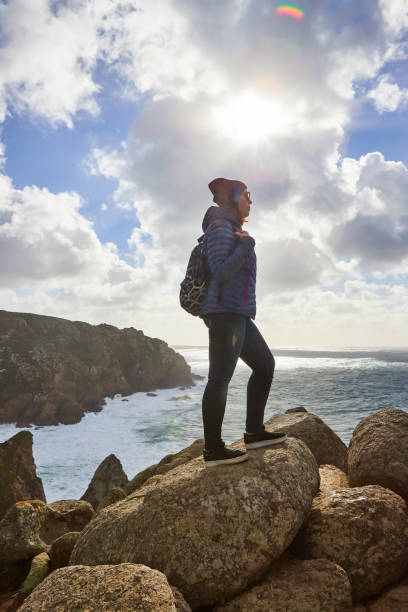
x=124 y=587
x=212 y=532
x=362 y=529
x=378 y=451
x=297 y=586
x=325 y=445
x=109 y=474
x=18 y=477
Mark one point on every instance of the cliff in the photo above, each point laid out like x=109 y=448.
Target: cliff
x=53 y=370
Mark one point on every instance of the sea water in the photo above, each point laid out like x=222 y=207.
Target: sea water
x=341 y=387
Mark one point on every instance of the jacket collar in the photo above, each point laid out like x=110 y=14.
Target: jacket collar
x=216 y=212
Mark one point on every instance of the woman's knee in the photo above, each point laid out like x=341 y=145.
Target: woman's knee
x=266 y=369
x=219 y=380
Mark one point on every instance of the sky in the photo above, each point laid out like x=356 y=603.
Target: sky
x=115 y=116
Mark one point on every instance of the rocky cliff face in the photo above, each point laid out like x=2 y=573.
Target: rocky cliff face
x=53 y=370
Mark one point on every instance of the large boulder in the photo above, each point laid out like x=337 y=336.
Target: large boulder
x=322 y=441
x=332 y=478
x=39 y=569
x=393 y=599
x=378 y=451
x=111 y=497
x=298 y=586
x=18 y=477
x=54 y=370
x=166 y=464
x=75 y=512
x=108 y=474
x=61 y=549
x=30 y=527
x=125 y=587
x=212 y=532
x=364 y=530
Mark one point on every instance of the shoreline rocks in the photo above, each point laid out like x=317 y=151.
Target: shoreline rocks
x=277 y=532
x=108 y=475
x=53 y=370
x=103 y=588
x=18 y=477
x=362 y=529
x=324 y=443
x=298 y=586
x=378 y=451
x=211 y=532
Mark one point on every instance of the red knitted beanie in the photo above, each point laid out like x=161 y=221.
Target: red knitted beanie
x=231 y=187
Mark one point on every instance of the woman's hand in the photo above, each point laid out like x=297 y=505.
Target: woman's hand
x=241 y=234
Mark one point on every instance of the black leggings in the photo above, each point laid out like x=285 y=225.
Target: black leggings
x=232 y=336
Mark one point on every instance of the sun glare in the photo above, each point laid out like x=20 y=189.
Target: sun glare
x=249 y=119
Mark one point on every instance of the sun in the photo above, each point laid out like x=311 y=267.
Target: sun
x=248 y=118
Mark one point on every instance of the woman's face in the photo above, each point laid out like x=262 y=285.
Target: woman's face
x=244 y=204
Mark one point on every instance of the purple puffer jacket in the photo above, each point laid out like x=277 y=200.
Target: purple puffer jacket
x=232 y=265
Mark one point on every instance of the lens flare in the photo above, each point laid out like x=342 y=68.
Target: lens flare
x=290 y=10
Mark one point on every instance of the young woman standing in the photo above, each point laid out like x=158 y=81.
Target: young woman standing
x=228 y=312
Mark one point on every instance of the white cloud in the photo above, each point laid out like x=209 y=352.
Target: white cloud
x=387 y=95
x=54 y=263
x=395 y=14
x=50 y=53
x=318 y=220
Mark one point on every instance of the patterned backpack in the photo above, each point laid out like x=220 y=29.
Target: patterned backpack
x=195 y=284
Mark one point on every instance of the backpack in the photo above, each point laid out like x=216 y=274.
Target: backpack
x=194 y=287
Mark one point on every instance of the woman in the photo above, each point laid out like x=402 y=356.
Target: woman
x=228 y=311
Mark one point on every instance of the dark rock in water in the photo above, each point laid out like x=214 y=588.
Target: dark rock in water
x=124 y=400
x=18 y=477
x=197 y=377
x=297 y=409
x=152 y=394
x=109 y=474
x=53 y=370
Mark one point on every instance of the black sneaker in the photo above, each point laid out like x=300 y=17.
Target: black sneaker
x=223 y=456
x=265 y=438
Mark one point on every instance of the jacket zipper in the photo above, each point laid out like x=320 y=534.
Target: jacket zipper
x=246 y=291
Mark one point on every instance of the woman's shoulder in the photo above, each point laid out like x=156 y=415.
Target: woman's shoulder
x=221 y=225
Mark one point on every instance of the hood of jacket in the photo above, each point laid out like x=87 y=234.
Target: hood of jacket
x=215 y=212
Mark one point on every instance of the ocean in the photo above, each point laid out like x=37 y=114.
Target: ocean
x=340 y=386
